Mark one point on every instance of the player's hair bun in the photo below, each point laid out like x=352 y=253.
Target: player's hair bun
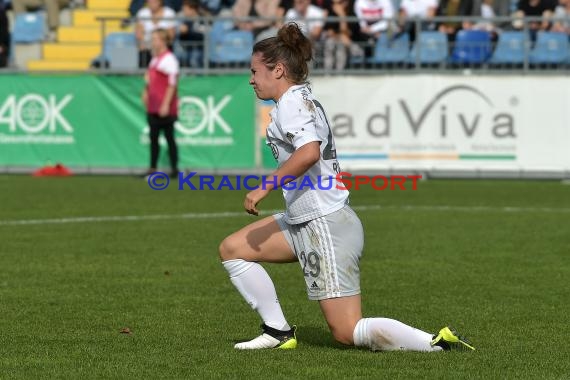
x=292 y=37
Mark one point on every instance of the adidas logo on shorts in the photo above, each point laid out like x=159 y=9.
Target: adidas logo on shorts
x=314 y=286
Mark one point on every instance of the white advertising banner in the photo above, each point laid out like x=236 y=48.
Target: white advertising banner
x=457 y=123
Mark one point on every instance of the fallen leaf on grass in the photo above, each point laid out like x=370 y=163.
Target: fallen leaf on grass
x=126 y=330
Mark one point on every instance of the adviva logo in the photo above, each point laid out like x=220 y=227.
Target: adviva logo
x=200 y=122
x=450 y=112
x=35 y=119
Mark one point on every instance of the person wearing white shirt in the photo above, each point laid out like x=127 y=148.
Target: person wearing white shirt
x=318 y=229
x=416 y=9
x=561 y=17
x=373 y=16
x=150 y=18
x=309 y=17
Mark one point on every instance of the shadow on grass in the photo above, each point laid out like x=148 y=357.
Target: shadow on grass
x=317 y=336
x=311 y=336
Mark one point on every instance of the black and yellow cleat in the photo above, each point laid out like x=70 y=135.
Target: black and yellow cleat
x=271 y=338
x=448 y=339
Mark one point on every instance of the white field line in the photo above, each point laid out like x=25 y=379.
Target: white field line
x=217 y=215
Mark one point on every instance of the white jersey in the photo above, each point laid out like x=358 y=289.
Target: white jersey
x=418 y=8
x=296 y=120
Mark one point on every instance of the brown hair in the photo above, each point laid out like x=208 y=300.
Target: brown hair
x=163 y=34
x=291 y=48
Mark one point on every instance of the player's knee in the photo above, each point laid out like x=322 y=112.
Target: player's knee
x=343 y=336
x=228 y=249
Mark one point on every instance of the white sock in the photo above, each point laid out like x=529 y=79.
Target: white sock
x=384 y=334
x=256 y=287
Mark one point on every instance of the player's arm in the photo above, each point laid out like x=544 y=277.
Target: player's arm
x=165 y=105
x=144 y=94
x=300 y=161
x=171 y=69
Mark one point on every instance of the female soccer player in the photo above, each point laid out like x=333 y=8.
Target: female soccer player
x=318 y=228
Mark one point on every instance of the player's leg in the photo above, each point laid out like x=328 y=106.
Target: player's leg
x=172 y=148
x=342 y=314
x=260 y=241
x=342 y=241
x=154 y=146
x=345 y=321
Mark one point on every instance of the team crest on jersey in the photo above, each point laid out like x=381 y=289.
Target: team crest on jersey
x=274 y=150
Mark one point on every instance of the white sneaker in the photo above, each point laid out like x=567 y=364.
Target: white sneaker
x=271 y=338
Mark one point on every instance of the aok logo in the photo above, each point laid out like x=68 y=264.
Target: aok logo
x=197 y=116
x=443 y=118
x=200 y=122
x=34 y=114
x=35 y=118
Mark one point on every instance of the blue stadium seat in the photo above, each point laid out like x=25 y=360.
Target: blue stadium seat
x=550 y=48
x=230 y=46
x=394 y=49
x=120 y=50
x=430 y=48
x=29 y=27
x=221 y=26
x=471 y=47
x=510 y=48
x=119 y=39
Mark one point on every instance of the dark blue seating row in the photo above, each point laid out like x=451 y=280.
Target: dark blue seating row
x=473 y=47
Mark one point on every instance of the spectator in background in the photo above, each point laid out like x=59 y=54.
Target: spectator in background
x=191 y=33
x=420 y=9
x=256 y=8
x=160 y=98
x=52 y=8
x=562 y=14
x=489 y=9
x=154 y=16
x=137 y=5
x=535 y=8
x=454 y=8
x=285 y=5
x=214 y=7
x=338 y=36
x=4 y=37
x=309 y=17
x=374 y=18
x=282 y=8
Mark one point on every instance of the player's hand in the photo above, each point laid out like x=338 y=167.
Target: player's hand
x=252 y=199
x=163 y=111
x=144 y=98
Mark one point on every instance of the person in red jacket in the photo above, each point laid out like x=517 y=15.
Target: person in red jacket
x=160 y=98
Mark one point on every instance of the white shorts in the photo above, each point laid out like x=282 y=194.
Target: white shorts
x=329 y=250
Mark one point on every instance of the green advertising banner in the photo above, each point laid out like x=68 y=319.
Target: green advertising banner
x=92 y=121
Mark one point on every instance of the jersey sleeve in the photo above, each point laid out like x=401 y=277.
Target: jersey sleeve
x=169 y=66
x=297 y=121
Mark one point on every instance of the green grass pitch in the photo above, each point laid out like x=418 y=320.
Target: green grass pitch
x=491 y=258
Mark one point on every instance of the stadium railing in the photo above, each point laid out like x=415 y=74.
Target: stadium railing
x=503 y=50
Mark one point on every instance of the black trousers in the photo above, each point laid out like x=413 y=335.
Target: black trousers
x=156 y=124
